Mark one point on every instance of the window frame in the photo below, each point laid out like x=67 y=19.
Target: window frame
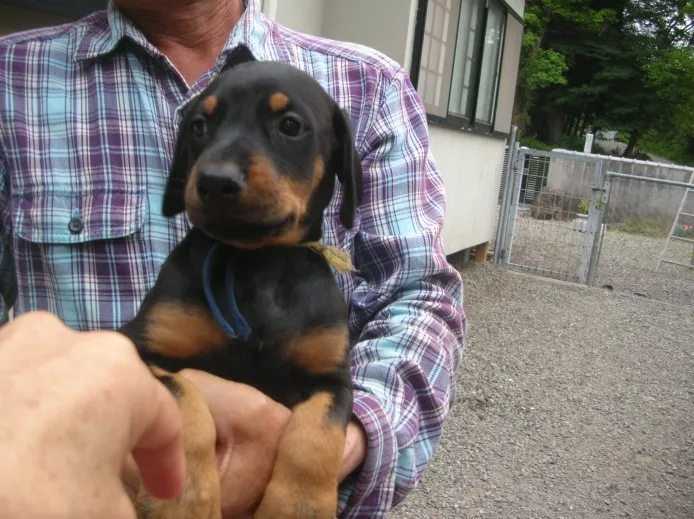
x=450 y=120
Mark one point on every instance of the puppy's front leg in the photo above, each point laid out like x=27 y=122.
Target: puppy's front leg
x=304 y=482
x=201 y=496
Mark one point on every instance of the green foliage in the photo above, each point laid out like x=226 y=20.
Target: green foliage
x=625 y=65
x=622 y=137
x=685 y=231
x=572 y=142
x=649 y=228
x=671 y=75
x=675 y=149
x=541 y=66
x=545 y=68
x=534 y=143
x=584 y=205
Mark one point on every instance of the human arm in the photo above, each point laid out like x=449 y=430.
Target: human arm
x=73 y=406
x=406 y=311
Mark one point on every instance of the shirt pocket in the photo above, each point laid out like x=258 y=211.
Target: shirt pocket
x=64 y=217
x=82 y=255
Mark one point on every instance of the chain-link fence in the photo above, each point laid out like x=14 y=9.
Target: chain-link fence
x=626 y=225
x=547 y=230
x=647 y=248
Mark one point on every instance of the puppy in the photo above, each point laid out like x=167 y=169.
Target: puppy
x=249 y=294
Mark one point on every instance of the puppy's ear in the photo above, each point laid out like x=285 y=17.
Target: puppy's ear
x=241 y=54
x=174 y=193
x=347 y=167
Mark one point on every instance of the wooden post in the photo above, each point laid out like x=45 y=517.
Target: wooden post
x=481 y=252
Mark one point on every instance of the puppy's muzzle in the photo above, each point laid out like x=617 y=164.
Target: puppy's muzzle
x=218 y=184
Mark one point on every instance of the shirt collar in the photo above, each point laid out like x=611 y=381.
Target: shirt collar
x=103 y=35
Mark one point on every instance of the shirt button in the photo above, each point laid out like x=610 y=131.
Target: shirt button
x=76 y=225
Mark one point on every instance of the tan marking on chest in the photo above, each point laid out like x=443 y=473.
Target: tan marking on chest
x=183 y=331
x=320 y=350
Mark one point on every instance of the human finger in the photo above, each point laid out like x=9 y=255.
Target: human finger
x=158 y=447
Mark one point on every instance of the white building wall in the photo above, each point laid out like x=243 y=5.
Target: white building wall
x=471 y=168
x=382 y=24
x=301 y=15
x=470 y=163
x=517 y=5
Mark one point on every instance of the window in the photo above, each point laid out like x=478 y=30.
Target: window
x=459 y=57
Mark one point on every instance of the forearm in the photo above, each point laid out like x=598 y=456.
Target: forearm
x=402 y=400
x=407 y=309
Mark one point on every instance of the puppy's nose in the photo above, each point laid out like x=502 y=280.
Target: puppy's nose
x=219 y=182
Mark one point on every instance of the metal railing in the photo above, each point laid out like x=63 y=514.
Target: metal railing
x=598 y=220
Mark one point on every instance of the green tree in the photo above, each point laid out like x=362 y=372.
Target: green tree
x=541 y=66
x=615 y=64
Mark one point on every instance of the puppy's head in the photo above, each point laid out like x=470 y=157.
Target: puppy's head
x=257 y=155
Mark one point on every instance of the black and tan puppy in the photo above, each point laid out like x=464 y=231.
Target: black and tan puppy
x=246 y=296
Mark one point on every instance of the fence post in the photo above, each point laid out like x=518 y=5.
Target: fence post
x=512 y=203
x=499 y=241
x=588 y=145
x=603 y=195
x=592 y=226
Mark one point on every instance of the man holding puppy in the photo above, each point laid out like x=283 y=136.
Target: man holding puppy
x=88 y=115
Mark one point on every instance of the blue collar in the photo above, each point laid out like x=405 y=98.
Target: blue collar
x=239 y=328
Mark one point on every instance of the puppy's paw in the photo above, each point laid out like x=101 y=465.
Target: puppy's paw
x=304 y=482
x=199 y=500
x=286 y=499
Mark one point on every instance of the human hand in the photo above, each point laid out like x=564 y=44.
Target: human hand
x=73 y=406
x=249 y=425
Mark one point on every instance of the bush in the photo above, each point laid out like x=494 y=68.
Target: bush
x=572 y=142
x=685 y=231
x=534 y=143
x=584 y=205
x=650 y=228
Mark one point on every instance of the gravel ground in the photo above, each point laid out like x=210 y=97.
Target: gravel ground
x=627 y=261
x=573 y=402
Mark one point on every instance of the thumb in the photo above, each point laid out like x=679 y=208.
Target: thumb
x=157 y=445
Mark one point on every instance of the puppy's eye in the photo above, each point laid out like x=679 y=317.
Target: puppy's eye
x=199 y=127
x=290 y=125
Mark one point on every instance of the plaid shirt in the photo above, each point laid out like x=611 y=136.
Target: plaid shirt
x=88 y=115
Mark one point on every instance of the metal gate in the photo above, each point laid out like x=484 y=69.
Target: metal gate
x=544 y=230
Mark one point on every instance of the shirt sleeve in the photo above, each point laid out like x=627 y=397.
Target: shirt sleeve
x=7 y=278
x=407 y=309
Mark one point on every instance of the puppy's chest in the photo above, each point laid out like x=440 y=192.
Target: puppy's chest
x=295 y=316
x=286 y=294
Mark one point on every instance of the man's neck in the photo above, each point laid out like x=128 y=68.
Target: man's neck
x=191 y=33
